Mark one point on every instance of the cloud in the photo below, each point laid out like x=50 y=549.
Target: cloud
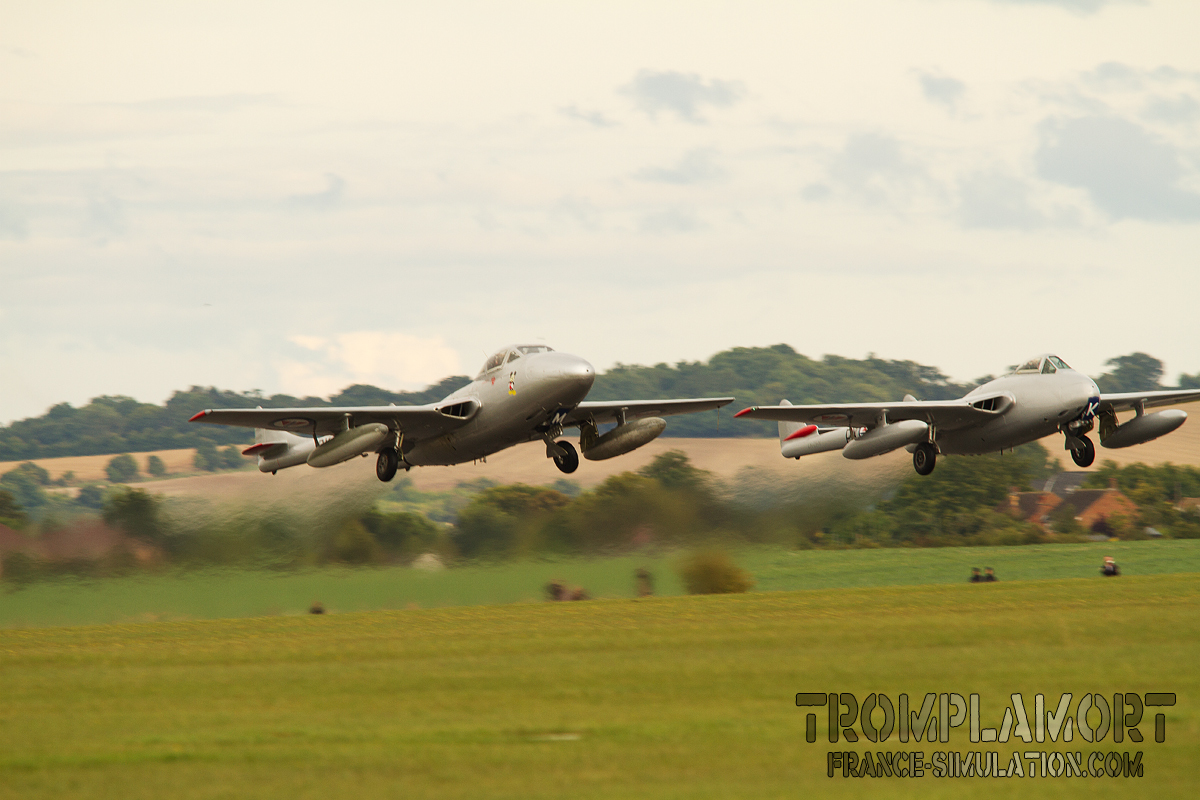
x=671 y=220
x=207 y=104
x=1173 y=110
x=12 y=223
x=816 y=192
x=995 y=200
x=875 y=168
x=941 y=89
x=684 y=94
x=389 y=359
x=695 y=167
x=1078 y=6
x=1127 y=171
x=328 y=197
x=595 y=118
x=19 y=52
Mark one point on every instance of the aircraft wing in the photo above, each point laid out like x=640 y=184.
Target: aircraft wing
x=1127 y=401
x=608 y=410
x=416 y=422
x=939 y=413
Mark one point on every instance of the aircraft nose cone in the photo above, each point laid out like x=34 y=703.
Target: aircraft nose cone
x=565 y=368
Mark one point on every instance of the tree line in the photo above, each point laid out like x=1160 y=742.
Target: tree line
x=754 y=375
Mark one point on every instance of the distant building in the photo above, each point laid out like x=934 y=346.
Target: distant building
x=1091 y=507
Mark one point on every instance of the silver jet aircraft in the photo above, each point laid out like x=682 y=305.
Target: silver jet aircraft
x=524 y=393
x=1041 y=397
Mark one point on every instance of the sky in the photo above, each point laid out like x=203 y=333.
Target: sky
x=293 y=197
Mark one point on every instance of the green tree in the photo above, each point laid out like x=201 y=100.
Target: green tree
x=35 y=473
x=11 y=513
x=121 y=469
x=353 y=544
x=400 y=534
x=231 y=458
x=155 y=466
x=25 y=487
x=673 y=470
x=1189 y=381
x=1136 y=372
x=91 y=496
x=136 y=512
x=206 y=457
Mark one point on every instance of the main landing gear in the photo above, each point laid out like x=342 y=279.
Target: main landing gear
x=568 y=458
x=924 y=458
x=386 y=464
x=1084 y=452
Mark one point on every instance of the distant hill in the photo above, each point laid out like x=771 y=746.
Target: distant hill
x=754 y=375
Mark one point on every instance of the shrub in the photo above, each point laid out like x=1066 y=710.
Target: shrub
x=713 y=572
x=156 y=467
x=354 y=544
x=206 y=457
x=91 y=496
x=11 y=513
x=121 y=469
x=136 y=512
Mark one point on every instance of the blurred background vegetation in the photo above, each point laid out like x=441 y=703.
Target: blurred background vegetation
x=667 y=507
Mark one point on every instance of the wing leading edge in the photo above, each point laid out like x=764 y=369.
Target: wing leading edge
x=602 y=411
x=1127 y=401
x=940 y=413
x=417 y=422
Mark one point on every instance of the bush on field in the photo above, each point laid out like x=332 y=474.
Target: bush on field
x=156 y=467
x=121 y=469
x=11 y=513
x=354 y=544
x=713 y=572
x=135 y=512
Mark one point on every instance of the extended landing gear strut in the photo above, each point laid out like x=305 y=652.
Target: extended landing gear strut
x=924 y=458
x=567 y=459
x=1083 y=453
x=386 y=464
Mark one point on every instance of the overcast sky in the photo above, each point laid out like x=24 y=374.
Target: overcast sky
x=294 y=196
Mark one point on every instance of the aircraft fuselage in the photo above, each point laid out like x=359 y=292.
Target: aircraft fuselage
x=1041 y=405
x=518 y=400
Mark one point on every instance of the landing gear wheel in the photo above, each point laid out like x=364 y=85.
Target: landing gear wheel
x=386 y=464
x=1085 y=455
x=568 y=462
x=924 y=458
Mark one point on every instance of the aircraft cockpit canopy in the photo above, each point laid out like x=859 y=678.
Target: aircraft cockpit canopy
x=510 y=354
x=1046 y=365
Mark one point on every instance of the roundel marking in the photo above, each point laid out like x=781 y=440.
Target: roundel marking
x=832 y=417
x=292 y=422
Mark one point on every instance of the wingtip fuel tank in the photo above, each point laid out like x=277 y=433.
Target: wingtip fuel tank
x=1142 y=428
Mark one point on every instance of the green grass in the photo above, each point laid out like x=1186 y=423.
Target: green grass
x=238 y=593
x=673 y=697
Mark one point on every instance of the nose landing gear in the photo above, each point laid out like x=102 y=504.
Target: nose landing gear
x=567 y=459
x=1083 y=452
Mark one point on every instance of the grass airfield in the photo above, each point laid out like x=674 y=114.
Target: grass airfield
x=679 y=697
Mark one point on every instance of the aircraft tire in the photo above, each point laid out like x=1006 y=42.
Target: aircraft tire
x=568 y=462
x=924 y=458
x=1085 y=455
x=386 y=464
